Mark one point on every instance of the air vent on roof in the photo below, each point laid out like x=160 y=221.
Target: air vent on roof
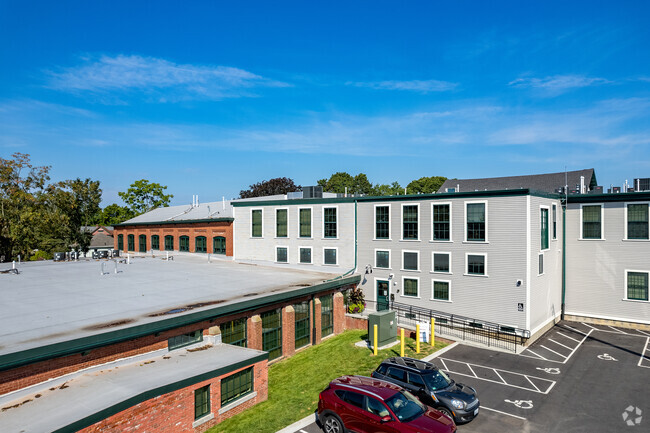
x=312 y=192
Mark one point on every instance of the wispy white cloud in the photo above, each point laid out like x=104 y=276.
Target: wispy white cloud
x=114 y=79
x=557 y=84
x=420 y=86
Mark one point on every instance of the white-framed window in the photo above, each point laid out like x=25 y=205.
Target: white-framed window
x=476 y=221
x=540 y=264
x=592 y=219
x=544 y=228
x=282 y=222
x=441 y=262
x=257 y=223
x=305 y=222
x=441 y=290
x=554 y=221
x=382 y=222
x=636 y=221
x=382 y=259
x=411 y=287
x=282 y=254
x=636 y=285
x=305 y=255
x=410 y=260
x=410 y=222
x=476 y=264
x=330 y=256
x=441 y=228
x=330 y=222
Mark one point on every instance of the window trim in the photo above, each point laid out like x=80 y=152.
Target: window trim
x=311 y=255
x=625 y=298
x=311 y=222
x=182 y=238
x=548 y=226
x=165 y=237
x=418 y=223
x=487 y=239
x=433 y=280
x=261 y=223
x=276 y=222
x=224 y=244
x=541 y=254
x=602 y=221
x=242 y=372
x=323 y=222
x=451 y=238
x=485 y=265
x=389 y=258
x=404 y=278
x=374 y=226
x=276 y=253
x=403 y=269
x=433 y=261
x=337 y=256
x=625 y=224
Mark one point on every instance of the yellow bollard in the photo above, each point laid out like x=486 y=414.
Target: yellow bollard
x=402 y=350
x=374 y=345
x=433 y=331
x=417 y=338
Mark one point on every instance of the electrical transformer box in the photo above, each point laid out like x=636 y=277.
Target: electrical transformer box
x=386 y=327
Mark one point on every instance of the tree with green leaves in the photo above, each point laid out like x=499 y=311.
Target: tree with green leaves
x=338 y=182
x=79 y=201
x=143 y=196
x=279 y=185
x=113 y=214
x=383 y=189
x=425 y=185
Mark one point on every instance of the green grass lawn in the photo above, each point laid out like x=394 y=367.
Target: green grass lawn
x=294 y=383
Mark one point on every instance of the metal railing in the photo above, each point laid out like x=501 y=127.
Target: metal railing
x=458 y=327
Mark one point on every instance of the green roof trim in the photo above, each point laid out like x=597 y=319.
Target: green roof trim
x=152 y=393
x=611 y=197
x=78 y=345
x=149 y=223
x=408 y=197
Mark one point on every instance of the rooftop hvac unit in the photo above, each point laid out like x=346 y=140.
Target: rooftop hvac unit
x=616 y=189
x=642 y=184
x=312 y=192
x=103 y=254
x=59 y=257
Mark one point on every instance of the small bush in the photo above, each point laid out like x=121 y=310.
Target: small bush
x=41 y=255
x=356 y=308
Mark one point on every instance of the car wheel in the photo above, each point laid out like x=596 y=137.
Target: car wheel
x=333 y=425
x=447 y=412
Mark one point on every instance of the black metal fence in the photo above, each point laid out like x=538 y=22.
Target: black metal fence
x=458 y=327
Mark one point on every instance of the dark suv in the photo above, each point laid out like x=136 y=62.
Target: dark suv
x=432 y=386
x=364 y=405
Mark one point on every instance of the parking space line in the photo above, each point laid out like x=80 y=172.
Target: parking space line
x=503 y=413
x=539 y=356
x=643 y=356
x=644 y=333
x=531 y=382
x=577 y=330
x=472 y=370
x=616 y=329
x=502 y=379
x=551 y=350
x=566 y=336
x=560 y=344
x=443 y=364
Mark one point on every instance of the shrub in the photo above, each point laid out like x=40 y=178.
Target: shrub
x=41 y=255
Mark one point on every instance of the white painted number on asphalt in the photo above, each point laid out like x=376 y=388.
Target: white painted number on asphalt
x=550 y=370
x=522 y=404
x=632 y=416
x=607 y=357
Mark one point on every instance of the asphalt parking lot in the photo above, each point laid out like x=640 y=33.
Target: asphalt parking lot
x=576 y=378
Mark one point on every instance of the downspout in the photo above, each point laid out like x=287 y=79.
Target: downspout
x=563 y=259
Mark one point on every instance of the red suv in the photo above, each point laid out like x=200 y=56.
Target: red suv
x=364 y=404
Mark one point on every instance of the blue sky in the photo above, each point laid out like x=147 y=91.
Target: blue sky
x=210 y=97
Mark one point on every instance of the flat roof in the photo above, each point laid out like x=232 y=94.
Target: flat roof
x=56 y=308
x=90 y=397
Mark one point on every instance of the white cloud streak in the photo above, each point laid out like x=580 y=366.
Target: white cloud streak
x=419 y=86
x=114 y=79
x=557 y=84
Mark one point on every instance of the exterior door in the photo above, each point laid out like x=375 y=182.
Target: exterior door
x=382 y=295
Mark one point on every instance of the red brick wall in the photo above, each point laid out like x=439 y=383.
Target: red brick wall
x=288 y=331
x=356 y=323
x=207 y=229
x=174 y=412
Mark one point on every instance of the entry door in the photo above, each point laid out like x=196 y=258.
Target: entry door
x=382 y=295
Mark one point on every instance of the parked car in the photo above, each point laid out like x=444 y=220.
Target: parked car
x=363 y=404
x=432 y=386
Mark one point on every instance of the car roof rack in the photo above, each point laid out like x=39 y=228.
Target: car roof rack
x=412 y=363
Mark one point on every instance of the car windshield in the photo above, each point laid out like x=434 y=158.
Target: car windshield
x=405 y=406
x=437 y=380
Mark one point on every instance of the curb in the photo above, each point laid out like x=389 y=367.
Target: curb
x=299 y=424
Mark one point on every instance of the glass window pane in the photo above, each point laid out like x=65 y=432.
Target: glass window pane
x=219 y=245
x=441 y=290
x=302 y=324
x=382 y=259
x=327 y=315
x=544 y=228
x=410 y=222
x=281 y=223
x=410 y=287
x=305 y=223
x=476 y=265
x=330 y=256
x=234 y=332
x=637 y=221
x=382 y=223
x=281 y=255
x=637 y=286
x=201 y=402
x=236 y=386
x=329 y=223
x=411 y=261
x=476 y=221
x=305 y=255
x=169 y=243
x=441 y=262
x=272 y=333
x=591 y=223
x=256 y=219
x=441 y=223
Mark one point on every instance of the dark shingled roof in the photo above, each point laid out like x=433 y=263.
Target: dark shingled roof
x=542 y=182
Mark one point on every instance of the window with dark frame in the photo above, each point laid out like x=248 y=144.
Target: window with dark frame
x=142 y=243
x=543 y=223
x=591 y=222
x=236 y=386
x=441 y=262
x=281 y=223
x=476 y=222
x=475 y=264
x=155 y=242
x=637 y=221
x=131 y=241
x=169 y=243
x=184 y=243
x=201 y=402
x=256 y=223
x=301 y=318
x=441 y=290
x=327 y=315
x=329 y=222
x=637 y=286
x=305 y=223
x=382 y=223
x=382 y=259
x=410 y=287
x=178 y=341
x=541 y=264
x=281 y=255
x=120 y=242
x=235 y=332
x=410 y=261
x=329 y=256
x=219 y=245
x=305 y=255
x=410 y=222
x=441 y=222
x=200 y=244
x=272 y=333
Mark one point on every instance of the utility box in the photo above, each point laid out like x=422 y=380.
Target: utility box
x=386 y=327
